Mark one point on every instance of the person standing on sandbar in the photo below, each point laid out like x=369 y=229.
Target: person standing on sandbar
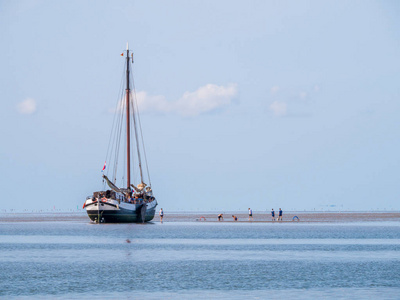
x=273 y=215
x=250 y=214
x=280 y=215
x=161 y=215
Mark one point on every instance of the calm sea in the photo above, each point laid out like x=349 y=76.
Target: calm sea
x=78 y=259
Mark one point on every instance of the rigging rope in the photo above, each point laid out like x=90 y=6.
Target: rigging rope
x=116 y=125
x=118 y=134
x=113 y=123
x=141 y=133
x=136 y=136
x=117 y=129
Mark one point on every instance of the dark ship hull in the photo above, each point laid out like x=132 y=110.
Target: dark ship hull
x=114 y=211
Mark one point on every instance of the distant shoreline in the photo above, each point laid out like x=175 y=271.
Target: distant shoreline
x=258 y=217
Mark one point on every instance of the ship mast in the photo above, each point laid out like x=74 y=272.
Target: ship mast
x=128 y=133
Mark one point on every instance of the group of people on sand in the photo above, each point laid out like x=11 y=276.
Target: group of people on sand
x=235 y=218
x=279 y=216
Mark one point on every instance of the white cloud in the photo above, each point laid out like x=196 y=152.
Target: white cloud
x=152 y=103
x=205 y=99
x=274 y=89
x=303 y=95
x=145 y=103
x=278 y=108
x=27 y=107
x=316 y=88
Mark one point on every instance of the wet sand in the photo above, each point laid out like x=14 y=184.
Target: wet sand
x=258 y=217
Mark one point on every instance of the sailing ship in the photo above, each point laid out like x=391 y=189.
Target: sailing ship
x=130 y=203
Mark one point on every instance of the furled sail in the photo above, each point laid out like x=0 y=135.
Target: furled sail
x=139 y=188
x=112 y=185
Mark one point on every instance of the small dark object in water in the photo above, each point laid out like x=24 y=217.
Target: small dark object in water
x=128 y=241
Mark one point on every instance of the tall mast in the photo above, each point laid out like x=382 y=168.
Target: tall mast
x=128 y=132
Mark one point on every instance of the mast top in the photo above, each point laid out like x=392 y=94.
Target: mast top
x=127 y=46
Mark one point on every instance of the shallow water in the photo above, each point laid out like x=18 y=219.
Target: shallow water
x=77 y=259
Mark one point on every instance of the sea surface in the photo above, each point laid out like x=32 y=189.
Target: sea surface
x=199 y=260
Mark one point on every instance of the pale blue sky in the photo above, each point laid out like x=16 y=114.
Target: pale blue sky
x=291 y=104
